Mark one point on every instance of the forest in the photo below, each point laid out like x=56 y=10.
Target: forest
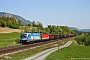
x=51 y=29
x=9 y=22
x=38 y=26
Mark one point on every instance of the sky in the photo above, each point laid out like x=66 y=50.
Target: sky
x=72 y=13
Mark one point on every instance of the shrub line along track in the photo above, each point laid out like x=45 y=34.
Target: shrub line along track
x=19 y=48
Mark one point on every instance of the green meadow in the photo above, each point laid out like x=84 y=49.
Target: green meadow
x=31 y=52
x=73 y=52
x=9 y=39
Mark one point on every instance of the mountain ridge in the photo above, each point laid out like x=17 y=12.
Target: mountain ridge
x=84 y=30
x=17 y=17
x=80 y=30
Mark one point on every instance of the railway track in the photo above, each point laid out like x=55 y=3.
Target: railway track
x=19 y=48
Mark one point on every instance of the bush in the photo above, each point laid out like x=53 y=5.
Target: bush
x=87 y=42
x=78 y=40
x=16 y=26
x=17 y=40
x=83 y=39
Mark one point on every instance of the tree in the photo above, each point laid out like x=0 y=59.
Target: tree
x=29 y=24
x=34 y=24
x=39 y=25
x=87 y=42
x=3 y=23
x=83 y=39
x=47 y=30
x=65 y=29
x=9 y=22
x=19 y=22
x=13 y=20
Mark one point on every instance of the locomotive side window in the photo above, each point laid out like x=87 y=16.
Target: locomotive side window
x=23 y=35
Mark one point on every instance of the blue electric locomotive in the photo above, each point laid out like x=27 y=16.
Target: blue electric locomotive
x=30 y=37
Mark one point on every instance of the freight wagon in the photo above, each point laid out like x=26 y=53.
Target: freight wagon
x=51 y=36
x=32 y=37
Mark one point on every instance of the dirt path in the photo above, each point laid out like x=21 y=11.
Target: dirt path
x=8 y=30
x=44 y=54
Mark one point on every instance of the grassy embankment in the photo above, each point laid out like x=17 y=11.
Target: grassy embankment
x=73 y=52
x=25 y=54
x=9 y=39
x=28 y=28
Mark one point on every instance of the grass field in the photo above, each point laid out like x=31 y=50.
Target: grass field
x=25 y=54
x=73 y=52
x=9 y=39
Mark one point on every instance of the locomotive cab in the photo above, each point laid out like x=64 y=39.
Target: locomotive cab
x=30 y=37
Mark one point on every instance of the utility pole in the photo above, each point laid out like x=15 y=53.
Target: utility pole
x=38 y=28
x=58 y=38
